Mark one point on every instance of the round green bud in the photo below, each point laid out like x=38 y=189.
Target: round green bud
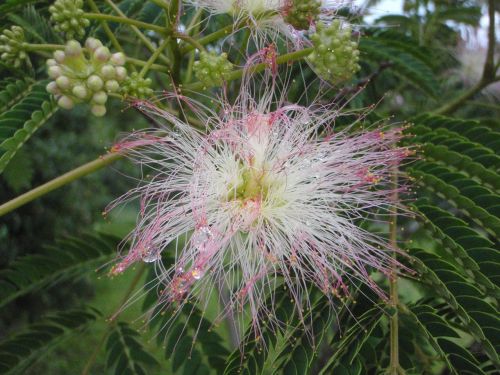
x=112 y=86
x=93 y=43
x=95 y=83
x=68 y=18
x=54 y=71
x=12 y=50
x=121 y=73
x=52 y=88
x=80 y=91
x=302 y=13
x=65 y=102
x=73 y=48
x=108 y=72
x=63 y=82
x=118 y=58
x=98 y=110
x=59 y=56
x=212 y=68
x=102 y=54
x=137 y=86
x=51 y=62
x=100 y=98
x=335 y=56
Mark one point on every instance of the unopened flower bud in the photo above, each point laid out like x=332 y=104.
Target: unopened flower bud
x=95 y=83
x=52 y=88
x=12 y=50
x=54 y=71
x=59 y=56
x=51 y=62
x=102 y=54
x=121 y=73
x=137 y=86
x=302 y=13
x=100 y=97
x=80 y=92
x=68 y=18
x=98 y=110
x=65 y=102
x=73 y=48
x=63 y=82
x=93 y=43
x=108 y=72
x=112 y=86
x=335 y=56
x=118 y=58
x=212 y=69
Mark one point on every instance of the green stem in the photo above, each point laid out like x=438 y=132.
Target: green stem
x=161 y=68
x=394 y=367
x=211 y=37
x=42 y=47
x=160 y=3
x=58 y=182
x=189 y=40
x=107 y=30
x=112 y=320
x=153 y=57
x=138 y=33
x=124 y=20
x=292 y=56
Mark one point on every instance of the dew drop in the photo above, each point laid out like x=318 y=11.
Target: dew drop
x=202 y=238
x=151 y=254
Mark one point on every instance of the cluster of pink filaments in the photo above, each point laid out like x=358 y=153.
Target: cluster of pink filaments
x=267 y=196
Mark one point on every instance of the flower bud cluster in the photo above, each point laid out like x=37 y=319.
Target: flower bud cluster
x=137 y=86
x=68 y=18
x=85 y=74
x=212 y=69
x=335 y=56
x=11 y=47
x=301 y=13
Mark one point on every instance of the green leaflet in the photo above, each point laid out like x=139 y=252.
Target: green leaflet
x=71 y=257
x=438 y=332
x=21 y=120
x=409 y=66
x=20 y=351
x=479 y=203
x=461 y=242
x=125 y=352
x=466 y=300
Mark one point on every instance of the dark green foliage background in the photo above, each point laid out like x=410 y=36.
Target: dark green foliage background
x=54 y=305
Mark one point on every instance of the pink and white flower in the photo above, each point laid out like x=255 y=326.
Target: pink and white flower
x=269 y=194
x=268 y=20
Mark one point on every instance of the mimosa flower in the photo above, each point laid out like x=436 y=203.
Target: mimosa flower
x=272 y=19
x=269 y=194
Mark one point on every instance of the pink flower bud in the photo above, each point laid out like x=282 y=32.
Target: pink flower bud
x=54 y=71
x=65 y=102
x=118 y=58
x=73 y=48
x=52 y=88
x=59 y=56
x=102 y=54
x=63 y=82
x=93 y=43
